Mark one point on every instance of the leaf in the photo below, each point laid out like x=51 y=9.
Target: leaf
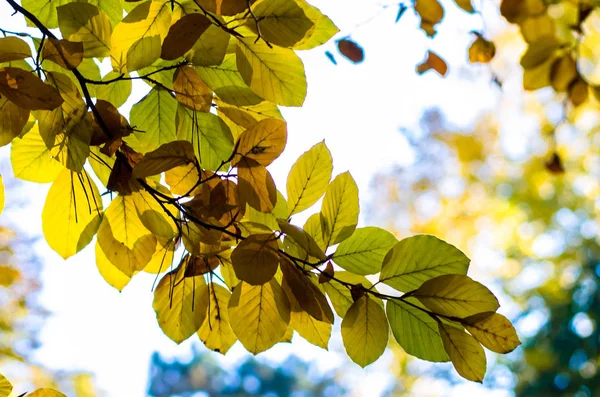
x=352 y=51
x=5 y=386
x=123 y=237
x=339 y=211
x=166 y=157
x=137 y=39
x=255 y=259
x=309 y=177
x=86 y=23
x=280 y=22
x=466 y=353
x=420 y=258
x=109 y=272
x=155 y=116
x=493 y=331
x=415 y=331
x=191 y=91
x=276 y=74
x=12 y=120
x=465 y=5
x=538 y=53
x=433 y=61
x=181 y=304
x=153 y=215
x=431 y=13
x=67 y=54
x=481 y=50
x=309 y=296
x=259 y=315
x=365 y=331
x=208 y=133
x=314 y=331
x=27 y=91
x=116 y=92
x=31 y=160
x=256 y=186
x=327 y=274
x=578 y=92
x=71 y=213
x=263 y=142
x=302 y=239
x=183 y=34
x=224 y=7
x=322 y=30
x=210 y=48
x=44 y=10
x=46 y=393
x=215 y=332
x=456 y=295
x=184 y=179
x=13 y=49
x=364 y=251
x=240 y=118
x=340 y=295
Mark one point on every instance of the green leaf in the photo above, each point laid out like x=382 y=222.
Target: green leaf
x=276 y=74
x=71 y=213
x=259 y=315
x=137 y=39
x=340 y=295
x=209 y=135
x=456 y=295
x=365 y=331
x=364 y=251
x=181 y=304
x=466 y=353
x=302 y=239
x=339 y=211
x=116 y=92
x=154 y=116
x=420 y=258
x=415 y=331
x=210 y=48
x=84 y=22
x=280 y=22
x=309 y=177
x=44 y=10
x=493 y=331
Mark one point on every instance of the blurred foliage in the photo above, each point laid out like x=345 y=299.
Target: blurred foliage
x=204 y=374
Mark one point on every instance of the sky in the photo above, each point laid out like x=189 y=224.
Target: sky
x=357 y=109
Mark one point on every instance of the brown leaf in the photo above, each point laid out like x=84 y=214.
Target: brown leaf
x=27 y=91
x=564 y=71
x=183 y=34
x=67 y=54
x=327 y=274
x=117 y=125
x=191 y=91
x=431 y=13
x=351 y=50
x=225 y=7
x=120 y=177
x=554 y=164
x=578 y=92
x=481 y=50
x=198 y=265
x=255 y=260
x=433 y=61
x=256 y=186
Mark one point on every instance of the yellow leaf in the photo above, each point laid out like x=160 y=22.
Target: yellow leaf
x=184 y=179
x=31 y=160
x=431 y=13
x=339 y=211
x=309 y=177
x=46 y=393
x=5 y=386
x=67 y=54
x=256 y=186
x=86 y=23
x=166 y=157
x=109 y=272
x=210 y=48
x=153 y=215
x=255 y=259
x=314 y=331
x=466 y=353
x=123 y=237
x=322 y=30
x=27 y=91
x=191 y=91
x=240 y=118
x=72 y=213
x=564 y=71
x=259 y=315
x=465 y=5
x=183 y=34
x=302 y=239
x=493 y=331
x=263 y=142
x=307 y=294
x=481 y=50
x=276 y=74
x=365 y=331
x=162 y=260
x=215 y=332
x=456 y=295
x=281 y=22
x=578 y=91
x=12 y=120
x=137 y=39
x=13 y=49
x=538 y=53
x=181 y=304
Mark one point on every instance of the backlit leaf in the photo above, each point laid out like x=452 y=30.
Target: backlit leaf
x=72 y=213
x=86 y=23
x=364 y=251
x=12 y=120
x=314 y=331
x=263 y=142
x=13 y=49
x=280 y=22
x=340 y=295
x=339 y=211
x=27 y=91
x=420 y=258
x=365 y=331
x=456 y=295
x=46 y=393
x=433 y=61
x=302 y=239
x=191 y=91
x=481 y=50
x=224 y=7
x=256 y=186
x=210 y=48
x=31 y=160
x=215 y=332
x=466 y=353
x=351 y=50
x=116 y=92
x=109 y=272
x=465 y=5
x=166 y=157
x=183 y=34
x=255 y=259
x=5 y=386
x=493 y=331
x=322 y=30
x=67 y=54
x=431 y=13
x=309 y=177
x=259 y=315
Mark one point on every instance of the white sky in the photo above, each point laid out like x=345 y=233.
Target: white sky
x=357 y=109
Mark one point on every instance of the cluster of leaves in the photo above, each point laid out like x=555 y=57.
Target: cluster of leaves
x=189 y=169
x=6 y=389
